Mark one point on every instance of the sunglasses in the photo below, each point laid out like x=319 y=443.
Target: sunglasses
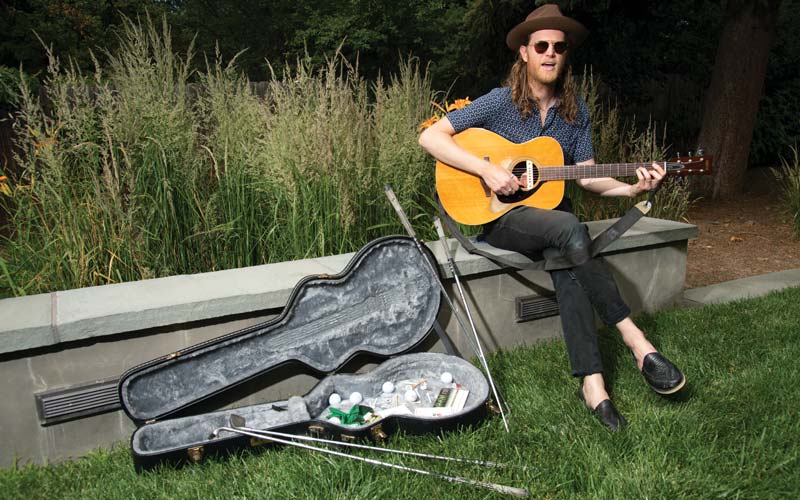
x=541 y=46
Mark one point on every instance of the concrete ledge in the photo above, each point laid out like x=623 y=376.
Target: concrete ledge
x=647 y=232
x=96 y=312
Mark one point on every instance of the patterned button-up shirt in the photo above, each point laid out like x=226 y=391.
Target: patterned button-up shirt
x=496 y=112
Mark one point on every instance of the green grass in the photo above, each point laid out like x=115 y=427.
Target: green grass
x=733 y=432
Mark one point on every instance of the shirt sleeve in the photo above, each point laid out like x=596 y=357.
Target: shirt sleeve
x=478 y=113
x=583 y=146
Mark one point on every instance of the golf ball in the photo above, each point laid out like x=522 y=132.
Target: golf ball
x=356 y=398
x=388 y=387
x=447 y=377
x=411 y=395
x=334 y=399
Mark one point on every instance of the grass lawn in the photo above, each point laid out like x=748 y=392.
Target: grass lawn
x=733 y=432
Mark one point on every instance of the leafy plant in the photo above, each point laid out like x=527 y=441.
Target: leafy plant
x=788 y=179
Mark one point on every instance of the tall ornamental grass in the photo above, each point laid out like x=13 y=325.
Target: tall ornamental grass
x=617 y=140
x=151 y=166
x=133 y=172
x=788 y=180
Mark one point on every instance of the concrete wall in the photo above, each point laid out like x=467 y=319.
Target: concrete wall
x=61 y=339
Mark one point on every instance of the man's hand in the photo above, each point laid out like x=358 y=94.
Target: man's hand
x=649 y=179
x=499 y=179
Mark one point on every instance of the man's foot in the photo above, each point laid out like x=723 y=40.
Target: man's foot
x=607 y=413
x=661 y=374
x=594 y=396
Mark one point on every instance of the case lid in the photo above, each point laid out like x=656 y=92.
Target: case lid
x=384 y=302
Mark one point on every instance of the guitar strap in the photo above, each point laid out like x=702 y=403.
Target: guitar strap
x=553 y=260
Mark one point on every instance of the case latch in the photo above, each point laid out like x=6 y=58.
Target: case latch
x=258 y=442
x=492 y=407
x=377 y=433
x=316 y=431
x=195 y=454
x=348 y=438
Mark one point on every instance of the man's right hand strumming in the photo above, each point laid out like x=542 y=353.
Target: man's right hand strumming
x=499 y=179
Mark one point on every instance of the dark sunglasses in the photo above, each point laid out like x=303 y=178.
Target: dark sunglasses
x=542 y=46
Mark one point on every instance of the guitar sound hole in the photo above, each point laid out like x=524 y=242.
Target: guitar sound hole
x=519 y=170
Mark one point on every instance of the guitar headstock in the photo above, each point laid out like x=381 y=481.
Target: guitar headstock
x=690 y=165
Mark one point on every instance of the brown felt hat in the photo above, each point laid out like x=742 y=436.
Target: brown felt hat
x=546 y=17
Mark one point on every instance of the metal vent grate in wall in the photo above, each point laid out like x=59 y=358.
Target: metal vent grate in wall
x=77 y=401
x=533 y=307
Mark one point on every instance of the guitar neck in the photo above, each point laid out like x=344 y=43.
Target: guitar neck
x=589 y=171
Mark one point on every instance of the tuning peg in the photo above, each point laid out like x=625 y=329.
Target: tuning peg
x=689 y=153
x=701 y=151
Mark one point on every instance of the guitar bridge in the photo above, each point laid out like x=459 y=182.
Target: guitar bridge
x=529 y=174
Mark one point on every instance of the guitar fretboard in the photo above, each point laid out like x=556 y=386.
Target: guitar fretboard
x=589 y=171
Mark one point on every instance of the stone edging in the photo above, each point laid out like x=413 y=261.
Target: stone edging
x=95 y=312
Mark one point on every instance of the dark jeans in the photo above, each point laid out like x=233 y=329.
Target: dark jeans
x=530 y=230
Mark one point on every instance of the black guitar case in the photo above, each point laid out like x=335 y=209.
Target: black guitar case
x=383 y=304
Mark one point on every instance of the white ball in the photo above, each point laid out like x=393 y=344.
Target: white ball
x=411 y=395
x=388 y=387
x=335 y=420
x=447 y=377
x=334 y=399
x=356 y=398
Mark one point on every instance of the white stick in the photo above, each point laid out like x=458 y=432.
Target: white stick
x=508 y=490
x=366 y=447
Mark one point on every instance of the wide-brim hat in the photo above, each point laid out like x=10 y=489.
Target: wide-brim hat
x=546 y=17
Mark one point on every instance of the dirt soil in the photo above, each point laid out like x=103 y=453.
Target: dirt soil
x=745 y=236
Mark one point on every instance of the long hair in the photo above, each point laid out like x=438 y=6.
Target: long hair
x=525 y=101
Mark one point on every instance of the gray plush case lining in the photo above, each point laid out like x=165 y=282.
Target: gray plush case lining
x=385 y=302
x=180 y=433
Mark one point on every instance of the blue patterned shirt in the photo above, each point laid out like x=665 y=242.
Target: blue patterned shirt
x=496 y=112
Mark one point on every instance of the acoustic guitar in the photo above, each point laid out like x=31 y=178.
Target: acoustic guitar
x=539 y=164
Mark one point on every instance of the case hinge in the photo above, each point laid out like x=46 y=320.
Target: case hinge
x=348 y=438
x=173 y=355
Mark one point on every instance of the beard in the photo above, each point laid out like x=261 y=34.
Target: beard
x=541 y=75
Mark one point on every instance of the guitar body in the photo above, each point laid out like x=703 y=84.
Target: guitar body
x=539 y=164
x=469 y=201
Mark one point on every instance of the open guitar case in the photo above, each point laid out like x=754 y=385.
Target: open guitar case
x=383 y=304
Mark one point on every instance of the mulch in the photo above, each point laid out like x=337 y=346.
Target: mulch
x=746 y=236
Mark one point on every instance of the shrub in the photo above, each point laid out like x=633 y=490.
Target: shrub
x=788 y=179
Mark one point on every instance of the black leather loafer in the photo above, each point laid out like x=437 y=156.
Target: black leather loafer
x=661 y=375
x=607 y=413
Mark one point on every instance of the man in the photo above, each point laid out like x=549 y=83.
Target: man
x=539 y=99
